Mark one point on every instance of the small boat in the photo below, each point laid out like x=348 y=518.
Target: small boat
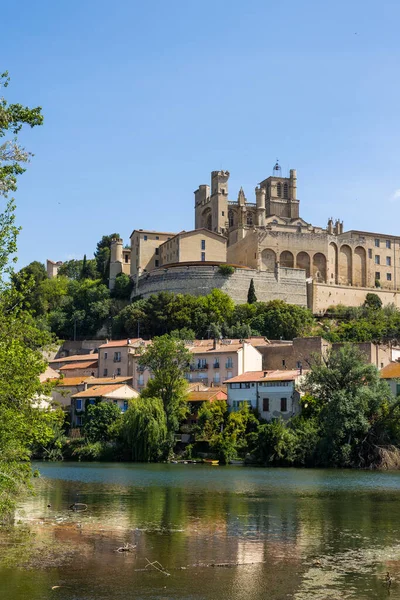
x=236 y=462
x=213 y=463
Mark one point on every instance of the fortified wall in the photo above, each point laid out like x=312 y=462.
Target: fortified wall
x=282 y=284
x=321 y=296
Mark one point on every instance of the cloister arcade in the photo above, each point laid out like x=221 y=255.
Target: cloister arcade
x=343 y=265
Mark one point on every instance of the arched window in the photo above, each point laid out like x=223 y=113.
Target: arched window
x=231 y=218
x=285 y=191
x=250 y=218
x=279 y=189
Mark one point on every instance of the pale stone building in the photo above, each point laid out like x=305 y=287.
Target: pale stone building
x=265 y=236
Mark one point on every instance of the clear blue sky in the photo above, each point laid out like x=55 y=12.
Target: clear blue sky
x=143 y=99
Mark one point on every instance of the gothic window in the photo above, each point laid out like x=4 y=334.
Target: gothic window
x=231 y=218
x=279 y=189
x=249 y=218
x=285 y=191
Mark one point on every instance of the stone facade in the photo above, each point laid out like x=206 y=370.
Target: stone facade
x=266 y=236
x=200 y=279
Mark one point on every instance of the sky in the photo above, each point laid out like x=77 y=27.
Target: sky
x=142 y=100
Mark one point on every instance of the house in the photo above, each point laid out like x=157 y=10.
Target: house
x=117 y=393
x=65 y=388
x=213 y=361
x=80 y=369
x=75 y=359
x=274 y=394
x=391 y=374
x=115 y=357
x=196 y=399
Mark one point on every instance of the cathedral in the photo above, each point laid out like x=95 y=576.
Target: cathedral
x=270 y=232
x=267 y=241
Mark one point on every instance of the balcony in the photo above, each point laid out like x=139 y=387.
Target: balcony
x=197 y=380
x=216 y=365
x=117 y=359
x=228 y=365
x=140 y=369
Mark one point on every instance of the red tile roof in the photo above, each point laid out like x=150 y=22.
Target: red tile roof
x=277 y=375
x=97 y=391
x=75 y=358
x=391 y=371
x=71 y=381
x=206 y=396
x=81 y=365
x=121 y=343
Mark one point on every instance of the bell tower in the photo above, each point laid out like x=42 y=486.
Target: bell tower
x=219 y=201
x=281 y=194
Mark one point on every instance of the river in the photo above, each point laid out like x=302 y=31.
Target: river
x=216 y=533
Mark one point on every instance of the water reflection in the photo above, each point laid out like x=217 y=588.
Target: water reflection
x=220 y=533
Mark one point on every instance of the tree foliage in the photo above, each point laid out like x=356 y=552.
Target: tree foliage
x=251 y=294
x=145 y=429
x=101 y=422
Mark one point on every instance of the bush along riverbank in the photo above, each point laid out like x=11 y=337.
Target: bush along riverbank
x=349 y=418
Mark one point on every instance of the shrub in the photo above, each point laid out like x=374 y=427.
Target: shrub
x=226 y=270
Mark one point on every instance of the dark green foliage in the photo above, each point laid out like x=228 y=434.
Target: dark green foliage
x=226 y=270
x=278 y=320
x=123 y=287
x=103 y=254
x=145 y=430
x=168 y=359
x=372 y=301
x=79 y=269
x=251 y=294
x=102 y=422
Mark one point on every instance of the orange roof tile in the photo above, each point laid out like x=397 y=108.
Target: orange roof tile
x=75 y=358
x=82 y=365
x=391 y=371
x=97 y=391
x=205 y=396
x=107 y=380
x=121 y=343
x=71 y=381
x=246 y=377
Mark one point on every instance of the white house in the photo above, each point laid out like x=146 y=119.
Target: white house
x=274 y=393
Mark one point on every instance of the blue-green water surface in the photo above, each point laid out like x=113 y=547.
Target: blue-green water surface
x=199 y=532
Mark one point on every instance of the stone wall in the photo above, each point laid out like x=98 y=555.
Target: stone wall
x=284 y=284
x=321 y=296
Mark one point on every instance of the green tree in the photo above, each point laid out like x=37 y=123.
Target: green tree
x=145 y=429
x=251 y=294
x=277 y=319
x=76 y=269
x=28 y=281
x=103 y=254
x=354 y=404
x=372 y=301
x=123 y=287
x=101 y=422
x=168 y=359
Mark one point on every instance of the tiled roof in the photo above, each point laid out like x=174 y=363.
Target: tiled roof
x=71 y=381
x=246 y=377
x=121 y=343
x=278 y=375
x=391 y=371
x=205 y=396
x=82 y=365
x=107 y=380
x=220 y=349
x=75 y=358
x=97 y=391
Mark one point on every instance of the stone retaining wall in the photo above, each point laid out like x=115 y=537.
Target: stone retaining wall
x=284 y=284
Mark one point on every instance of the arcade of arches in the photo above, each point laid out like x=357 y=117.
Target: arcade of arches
x=343 y=265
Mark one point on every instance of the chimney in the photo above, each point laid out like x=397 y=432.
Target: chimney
x=129 y=341
x=85 y=386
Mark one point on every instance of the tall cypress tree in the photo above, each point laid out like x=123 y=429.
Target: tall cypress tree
x=251 y=294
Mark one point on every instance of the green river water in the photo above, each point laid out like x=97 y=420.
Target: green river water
x=219 y=532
